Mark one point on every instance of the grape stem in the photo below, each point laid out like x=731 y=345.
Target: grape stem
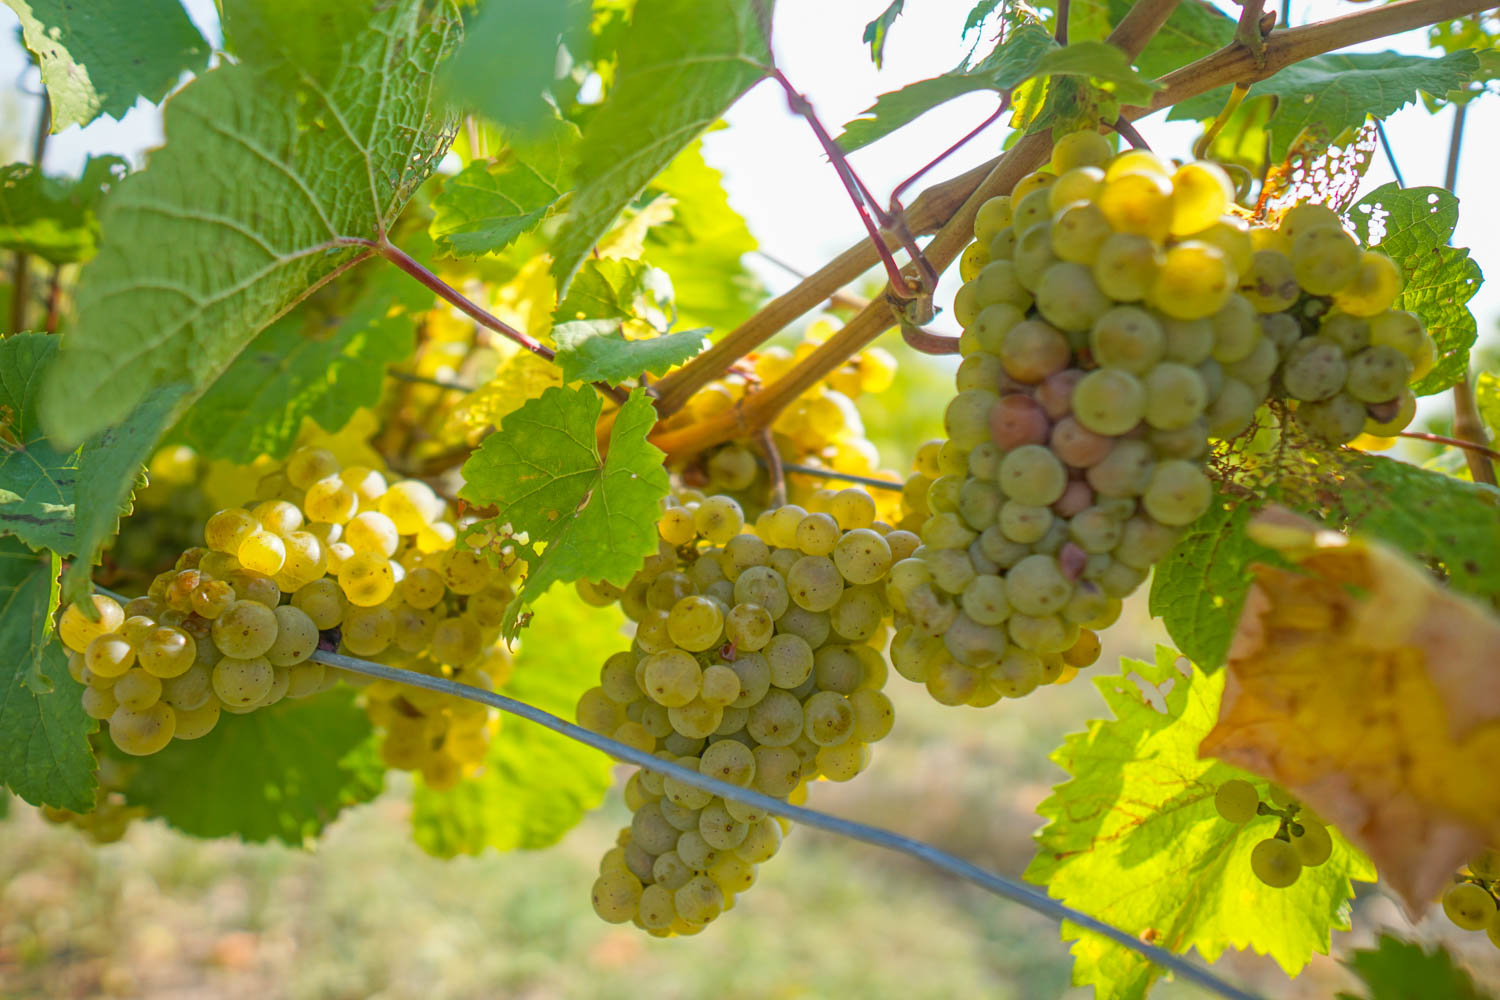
x=770 y=459
x=1254 y=26
x=1060 y=34
x=1472 y=446
x=1132 y=136
x=1006 y=888
x=927 y=342
x=385 y=248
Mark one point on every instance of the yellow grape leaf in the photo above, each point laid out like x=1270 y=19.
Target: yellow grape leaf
x=520 y=377
x=1371 y=693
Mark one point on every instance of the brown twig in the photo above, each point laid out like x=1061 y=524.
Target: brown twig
x=900 y=189
x=1130 y=134
x=1252 y=28
x=926 y=342
x=54 y=299
x=1469 y=429
x=1061 y=31
x=771 y=459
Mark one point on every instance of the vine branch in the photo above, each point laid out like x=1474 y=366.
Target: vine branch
x=1017 y=892
x=1456 y=442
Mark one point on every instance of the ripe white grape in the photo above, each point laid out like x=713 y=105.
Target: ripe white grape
x=1109 y=401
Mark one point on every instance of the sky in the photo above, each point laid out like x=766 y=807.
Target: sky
x=776 y=174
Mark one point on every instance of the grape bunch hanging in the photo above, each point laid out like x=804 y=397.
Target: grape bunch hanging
x=326 y=555
x=756 y=660
x=1117 y=318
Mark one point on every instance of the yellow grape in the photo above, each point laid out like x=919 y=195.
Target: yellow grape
x=77 y=631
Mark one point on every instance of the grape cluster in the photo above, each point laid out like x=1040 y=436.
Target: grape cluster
x=1117 y=318
x=1301 y=840
x=327 y=555
x=1473 y=901
x=111 y=816
x=821 y=427
x=756 y=661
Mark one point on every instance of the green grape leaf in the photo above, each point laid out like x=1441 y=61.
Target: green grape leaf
x=44 y=734
x=279 y=773
x=99 y=57
x=1487 y=396
x=491 y=202
x=1444 y=522
x=589 y=324
x=1103 y=65
x=585 y=516
x=1193 y=30
x=1339 y=91
x=1133 y=839
x=310 y=363
x=681 y=65
x=1412 y=226
x=69 y=502
x=191 y=268
x=1199 y=589
x=978 y=14
x=1403 y=970
x=877 y=31
x=1012 y=62
x=703 y=245
x=535 y=784
x=508 y=59
x=54 y=217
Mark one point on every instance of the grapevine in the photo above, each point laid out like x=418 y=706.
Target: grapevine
x=455 y=391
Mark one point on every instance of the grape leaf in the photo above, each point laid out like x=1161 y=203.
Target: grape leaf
x=1103 y=65
x=44 y=734
x=1338 y=91
x=1414 y=227
x=54 y=217
x=489 y=203
x=535 y=785
x=1012 y=62
x=509 y=57
x=71 y=501
x=195 y=262
x=1402 y=970
x=587 y=517
x=299 y=368
x=1133 y=838
x=98 y=57
x=702 y=246
x=1193 y=30
x=682 y=63
x=877 y=30
x=279 y=773
x=589 y=324
x=1199 y=588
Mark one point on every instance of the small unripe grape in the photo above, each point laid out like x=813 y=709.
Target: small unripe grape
x=1237 y=800
x=1469 y=906
x=1275 y=863
x=1314 y=846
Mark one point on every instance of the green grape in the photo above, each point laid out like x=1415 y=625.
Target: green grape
x=1078 y=231
x=1032 y=256
x=853 y=509
x=245 y=631
x=1144 y=542
x=167 y=652
x=324 y=603
x=188 y=690
x=1469 y=906
x=999 y=284
x=1128 y=338
x=262 y=551
x=366 y=579
x=1403 y=331
x=1031 y=182
x=136 y=690
x=719 y=830
x=671 y=678
x=465 y=571
x=817 y=534
x=1080 y=149
x=696 y=720
x=1125 y=471
x=1036 y=586
x=1271 y=283
x=721 y=686
x=1095 y=529
x=1017 y=674
x=1486 y=864
x=1178 y=493
x=1033 y=475
x=975 y=256
x=828 y=718
x=372 y=531
x=1126 y=265
x=1067 y=297
x=211 y=597
x=1026 y=524
x=728 y=760
x=718 y=519
x=1377 y=374
x=1236 y=331
x=1084 y=651
x=966 y=419
x=228 y=529
x=1230 y=234
x=1314 y=369
x=973 y=644
x=1041 y=633
x=748 y=626
x=1078 y=446
x=1201 y=192
x=1351 y=333
x=296 y=637
x=874 y=715
x=778 y=770
x=858 y=614
x=1337 y=420
x=616 y=897
x=77 y=630
x=1196 y=280
x=1237 y=800
x=1304 y=217
x=984 y=601
x=1176 y=396
x=1109 y=401
x=455 y=641
x=991 y=325
x=1255 y=368
x=843 y=762
x=242 y=682
x=676 y=526
x=814 y=583
x=1324 y=259
x=1374 y=287
x=1032 y=350
x=143 y=732
x=195 y=723
x=409 y=503
x=1314 y=846
x=1401 y=414
x=776 y=721
x=1139 y=203
x=993 y=216
x=695 y=623
x=862 y=556
x=1275 y=863
x=278 y=516
x=755 y=678
x=699 y=901
x=368 y=631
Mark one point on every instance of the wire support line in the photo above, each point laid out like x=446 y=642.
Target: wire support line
x=1390 y=154
x=848 y=477
x=429 y=380
x=998 y=884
